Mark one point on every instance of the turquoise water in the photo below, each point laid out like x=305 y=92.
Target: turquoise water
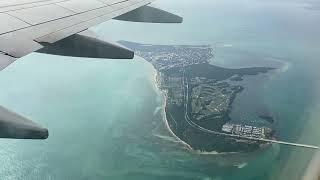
x=105 y=116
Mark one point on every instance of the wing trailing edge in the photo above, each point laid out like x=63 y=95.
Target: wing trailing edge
x=15 y=126
x=150 y=14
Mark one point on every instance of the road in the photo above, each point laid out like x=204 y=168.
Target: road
x=196 y=126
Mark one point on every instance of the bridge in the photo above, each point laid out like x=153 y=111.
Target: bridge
x=270 y=141
x=288 y=143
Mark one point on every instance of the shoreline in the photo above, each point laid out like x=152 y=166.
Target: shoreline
x=163 y=109
x=164 y=118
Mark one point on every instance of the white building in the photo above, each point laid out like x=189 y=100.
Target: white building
x=227 y=128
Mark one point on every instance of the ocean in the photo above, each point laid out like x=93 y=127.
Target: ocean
x=105 y=117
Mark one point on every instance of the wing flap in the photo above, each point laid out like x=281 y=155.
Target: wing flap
x=79 y=6
x=10 y=23
x=111 y=2
x=12 y=3
x=40 y=30
x=41 y=14
x=63 y=33
x=16 y=45
x=29 y=4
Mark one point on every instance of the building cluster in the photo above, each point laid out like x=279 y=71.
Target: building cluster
x=246 y=130
x=164 y=58
x=167 y=57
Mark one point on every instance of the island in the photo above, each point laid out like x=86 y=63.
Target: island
x=199 y=97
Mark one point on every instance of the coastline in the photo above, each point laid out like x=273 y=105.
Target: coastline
x=164 y=118
x=164 y=96
x=163 y=109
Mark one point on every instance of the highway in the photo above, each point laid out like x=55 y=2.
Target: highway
x=196 y=126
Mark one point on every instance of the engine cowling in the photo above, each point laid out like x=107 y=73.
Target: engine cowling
x=15 y=126
x=150 y=14
x=83 y=45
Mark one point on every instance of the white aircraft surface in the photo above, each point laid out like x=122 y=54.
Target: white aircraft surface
x=60 y=27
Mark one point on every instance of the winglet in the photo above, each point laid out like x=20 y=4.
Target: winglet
x=15 y=126
x=150 y=14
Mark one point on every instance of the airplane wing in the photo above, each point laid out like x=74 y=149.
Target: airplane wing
x=60 y=27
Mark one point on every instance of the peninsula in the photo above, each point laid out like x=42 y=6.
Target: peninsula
x=199 y=97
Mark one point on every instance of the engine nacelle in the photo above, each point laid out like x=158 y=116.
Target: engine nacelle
x=150 y=14
x=82 y=45
x=15 y=126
